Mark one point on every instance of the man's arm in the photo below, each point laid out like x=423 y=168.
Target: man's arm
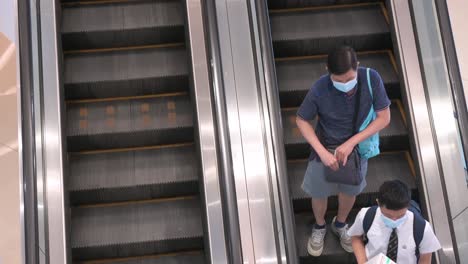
x=359 y=250
x=425 y=258
x=309 y=134
x=381 y=121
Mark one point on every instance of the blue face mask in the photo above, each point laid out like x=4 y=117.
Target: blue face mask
x=345 y=87
x=393 y=223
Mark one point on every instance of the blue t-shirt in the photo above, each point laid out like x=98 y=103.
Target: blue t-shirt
x=335 y=109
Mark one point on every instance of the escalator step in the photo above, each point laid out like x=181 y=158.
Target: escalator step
x=392 y=138
x=176 y=258
x=136 y=229
x=279 y=4
x=119 y=24
x=296 y=76
x=129 y=123
x=317 y=31
x=387 y=166
x=133 y=175
x=138 y=71
x=332 y=250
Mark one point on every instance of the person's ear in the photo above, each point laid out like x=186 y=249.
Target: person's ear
x=377 y=200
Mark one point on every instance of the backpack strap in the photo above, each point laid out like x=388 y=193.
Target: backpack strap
x=419 y=225
x=369 y=83
x=368 y=220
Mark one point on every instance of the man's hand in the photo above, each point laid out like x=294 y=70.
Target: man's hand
x=343 y=151
x=329 y=160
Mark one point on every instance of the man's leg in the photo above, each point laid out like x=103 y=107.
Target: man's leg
x=316 y=239
x=339 y=226
x=345 y=204
x=319 y=206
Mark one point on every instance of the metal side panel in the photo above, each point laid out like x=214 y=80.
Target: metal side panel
x=136 y=71
x=429 y=182
x=117 y=24
x=54 y=141
x=300 y=32
x=136 y=228
x=233 y=122
x=215 y=237
x=238 y=51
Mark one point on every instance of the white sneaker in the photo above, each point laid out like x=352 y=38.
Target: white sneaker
x=342 y=233
x=315 y=243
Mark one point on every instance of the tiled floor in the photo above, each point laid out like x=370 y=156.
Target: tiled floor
x=10 y=248
x=457 y=12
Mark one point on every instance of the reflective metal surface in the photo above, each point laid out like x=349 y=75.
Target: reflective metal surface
x=20 y=134
x=227 y=177
x=247 y=135
x=454 y=60
x=274 y=134
x=53 y=139
x=460 y=224
x=206 y=134
x=37 y=104
x=443 y=110
x=441 y=103
x=430 y=182
x=233 y=119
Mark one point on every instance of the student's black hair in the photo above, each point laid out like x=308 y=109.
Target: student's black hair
x=341 y=60
x=394 y=195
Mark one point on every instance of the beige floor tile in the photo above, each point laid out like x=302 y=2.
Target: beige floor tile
x=8 y=94
x=8 y=121
x=10 y=249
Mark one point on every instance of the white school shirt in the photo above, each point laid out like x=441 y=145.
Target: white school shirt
x=379 y=234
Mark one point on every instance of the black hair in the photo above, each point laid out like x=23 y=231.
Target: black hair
x=341 y=60
x=394 y=195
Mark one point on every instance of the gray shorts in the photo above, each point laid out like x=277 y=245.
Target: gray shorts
x=316 y=186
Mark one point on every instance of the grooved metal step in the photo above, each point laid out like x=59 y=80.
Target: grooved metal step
x=129 y=123
x=128 y=72
x=175 y=258
x=281 y=4
x=392 y=138
x=136 y=229
x=133 y=175
x=317 y=31
x=387 y=166
x=297 y=75
x=119 y=24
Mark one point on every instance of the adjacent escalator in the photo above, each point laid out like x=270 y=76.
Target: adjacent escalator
x=133 y=176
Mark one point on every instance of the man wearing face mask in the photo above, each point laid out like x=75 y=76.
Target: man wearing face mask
x=391 y=229
x=340 y=100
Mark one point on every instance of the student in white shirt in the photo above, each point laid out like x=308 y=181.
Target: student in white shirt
x=391 y=231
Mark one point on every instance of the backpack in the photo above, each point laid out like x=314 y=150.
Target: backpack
x=419 y=223
x=369 y=147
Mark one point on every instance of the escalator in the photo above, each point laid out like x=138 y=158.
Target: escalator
x=303 y=32
x=133 y=174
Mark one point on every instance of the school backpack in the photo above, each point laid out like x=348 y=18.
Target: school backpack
x=419 y=223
